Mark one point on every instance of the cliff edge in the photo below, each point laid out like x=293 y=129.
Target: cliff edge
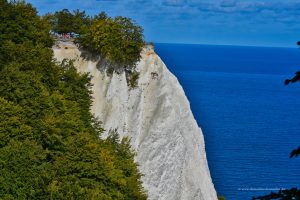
x=157 y=117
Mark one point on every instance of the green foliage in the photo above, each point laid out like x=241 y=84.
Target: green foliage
x=132 y=79
x=65 y=21
x=118 y=40
x=221 y=198
x=12 y=125
x=19 y=23
x=49 y=140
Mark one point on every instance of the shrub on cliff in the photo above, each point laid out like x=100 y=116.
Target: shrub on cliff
x=49 y=140
x=119 y=40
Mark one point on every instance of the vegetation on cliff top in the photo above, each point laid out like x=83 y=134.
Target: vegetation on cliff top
x=49 y=140
x=65 y=22
x=119 y=40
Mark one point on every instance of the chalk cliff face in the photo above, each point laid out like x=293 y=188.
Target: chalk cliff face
x=157 y=117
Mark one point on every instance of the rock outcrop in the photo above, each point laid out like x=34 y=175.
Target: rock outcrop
x=157 y=117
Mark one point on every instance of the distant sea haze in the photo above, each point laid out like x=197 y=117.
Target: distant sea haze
x=250 y=119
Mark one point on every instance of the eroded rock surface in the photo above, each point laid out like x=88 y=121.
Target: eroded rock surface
x=157 y=117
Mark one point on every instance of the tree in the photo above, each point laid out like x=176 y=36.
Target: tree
x=49 y=140
x=65 y=21
x=118 y=40
x=20 y=23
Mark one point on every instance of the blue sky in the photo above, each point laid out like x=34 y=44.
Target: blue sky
x=232 y=22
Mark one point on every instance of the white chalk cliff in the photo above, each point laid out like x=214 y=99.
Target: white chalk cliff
x=157 y=117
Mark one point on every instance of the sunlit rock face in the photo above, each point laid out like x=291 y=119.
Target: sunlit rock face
x=157 y=117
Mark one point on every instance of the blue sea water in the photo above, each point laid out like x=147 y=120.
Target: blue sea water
x=250 y=119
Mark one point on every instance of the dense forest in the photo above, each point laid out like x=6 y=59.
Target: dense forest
x=49 y=141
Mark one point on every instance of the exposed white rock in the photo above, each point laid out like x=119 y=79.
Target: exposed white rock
x=158 y=119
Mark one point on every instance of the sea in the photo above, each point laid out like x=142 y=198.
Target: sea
x=250 y=119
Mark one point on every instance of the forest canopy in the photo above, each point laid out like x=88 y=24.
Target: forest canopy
x=119 y=40
x=49 y=141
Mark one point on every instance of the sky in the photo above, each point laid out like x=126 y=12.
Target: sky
x=221 y=22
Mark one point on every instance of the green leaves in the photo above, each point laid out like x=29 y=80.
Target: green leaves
x=49 y=141
x=19 y=23
x=119 y=40
x=12 y=123
x=65 y=21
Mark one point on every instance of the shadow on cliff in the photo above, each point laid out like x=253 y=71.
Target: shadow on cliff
x=102 y=63
x=105 y=66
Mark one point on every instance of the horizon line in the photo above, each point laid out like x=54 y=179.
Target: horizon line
x=238 y=45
